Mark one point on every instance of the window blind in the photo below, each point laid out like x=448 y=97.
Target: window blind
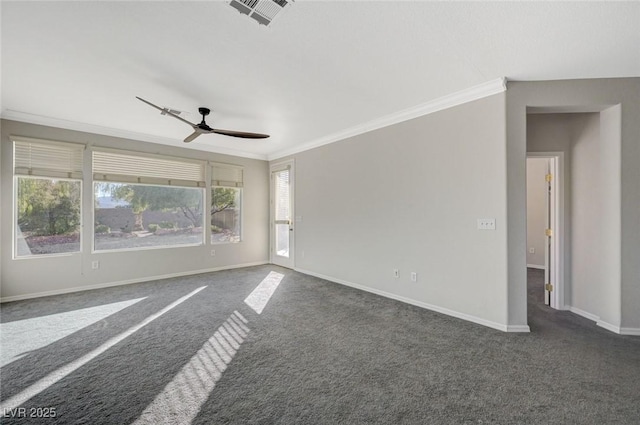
x=47 y=159
x=227 y=175
x=282 y=195
x=146 y=169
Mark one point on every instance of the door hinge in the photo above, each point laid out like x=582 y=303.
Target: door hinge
x=548 y=177
x=548 y=232
x=548 y=287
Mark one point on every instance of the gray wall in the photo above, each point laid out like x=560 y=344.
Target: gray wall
x=593 y=95
x=437 y=173
x=536 y=210
x=408 y=196
x=60 y=273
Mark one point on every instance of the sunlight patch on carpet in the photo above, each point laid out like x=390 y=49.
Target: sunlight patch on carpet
x=260 y=296
x=21 y=337
x=181 y=399
x=12 y=403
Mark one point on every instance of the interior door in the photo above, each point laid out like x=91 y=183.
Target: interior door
x=282 y=229
x=550 y=274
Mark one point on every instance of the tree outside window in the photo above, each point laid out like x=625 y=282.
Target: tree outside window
x=225 y=214
x=137 y=216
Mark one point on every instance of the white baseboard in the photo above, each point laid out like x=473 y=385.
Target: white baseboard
x=448 y=312
x=605 y=325
x=535 y=266
x=518 y=328
x=608 y=326
x=126 y=282
x=585 y=314
x=618 y=329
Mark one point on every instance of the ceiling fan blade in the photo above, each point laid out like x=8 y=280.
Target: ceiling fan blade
x=166 y=111
x=243 y=134
x=192 y=136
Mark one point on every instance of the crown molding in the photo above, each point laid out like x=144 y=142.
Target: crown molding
x=470 y=94
x=26 y=117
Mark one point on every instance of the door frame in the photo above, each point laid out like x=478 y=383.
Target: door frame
x=273 y=258
x=557 y=272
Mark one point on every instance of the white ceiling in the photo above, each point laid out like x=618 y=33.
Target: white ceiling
x=320 y=68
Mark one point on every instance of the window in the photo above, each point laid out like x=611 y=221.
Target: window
x=146 y=201
x=226 y=203
x=225 y=214
x=48 y=197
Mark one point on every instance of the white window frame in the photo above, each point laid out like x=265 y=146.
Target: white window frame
x=234 y=182
x=74 y=176
x=149 y=181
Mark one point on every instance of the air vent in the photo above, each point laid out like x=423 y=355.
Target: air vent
x=263 y=11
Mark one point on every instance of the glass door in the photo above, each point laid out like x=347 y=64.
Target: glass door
x=282 y=229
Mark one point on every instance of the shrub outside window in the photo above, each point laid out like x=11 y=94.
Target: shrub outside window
x=48 y=216
x=48 y=197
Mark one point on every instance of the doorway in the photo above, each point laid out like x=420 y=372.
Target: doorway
x=544 y=224
x=281 y=216
x=588 y=235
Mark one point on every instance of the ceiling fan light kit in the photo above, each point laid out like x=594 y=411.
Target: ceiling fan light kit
x=263 y=11
x=202 y=127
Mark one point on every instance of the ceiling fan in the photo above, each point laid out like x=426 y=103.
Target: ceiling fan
x=202 y=127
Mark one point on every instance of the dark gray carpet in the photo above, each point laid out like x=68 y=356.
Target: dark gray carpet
x=322 y=353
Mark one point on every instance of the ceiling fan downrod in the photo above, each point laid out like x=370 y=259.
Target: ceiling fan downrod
x=204 y=112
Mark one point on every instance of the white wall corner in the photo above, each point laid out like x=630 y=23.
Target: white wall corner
x=437 y=309
x=470 y=94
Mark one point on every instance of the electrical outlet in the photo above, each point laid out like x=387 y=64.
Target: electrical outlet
x=414 y=277
x=486 y=224
x=532 y=250
x=396 y=273
x=95 y=265
x=213 y=252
